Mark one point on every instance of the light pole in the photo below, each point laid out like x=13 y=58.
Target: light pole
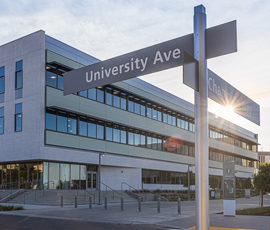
x=99 y=162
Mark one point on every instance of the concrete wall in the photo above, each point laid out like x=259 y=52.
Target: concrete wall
x=24 y=145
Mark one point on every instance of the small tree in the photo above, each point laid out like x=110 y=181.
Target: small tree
x=262 y=179
x=214 y=182
x=248 y=184
x=191 y=179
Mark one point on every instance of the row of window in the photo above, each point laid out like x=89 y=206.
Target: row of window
x=161 y=177
x=18 y=79
x=65 y=122
x=121 y=99
x=2 y=120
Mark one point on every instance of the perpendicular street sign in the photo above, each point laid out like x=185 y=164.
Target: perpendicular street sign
x=225 y=94
x=155 y=58
x=220 y=40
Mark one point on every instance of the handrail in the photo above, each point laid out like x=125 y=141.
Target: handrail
x=111 y=189
x=129 y=186
x=85 y=191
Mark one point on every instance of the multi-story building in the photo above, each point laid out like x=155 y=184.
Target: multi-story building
x=264 y=156
x=146 y=133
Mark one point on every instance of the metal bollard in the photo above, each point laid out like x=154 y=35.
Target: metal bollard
x=179 y=205
x=90 y=202
x=140 y=204
x=24 y=199
x=105 y=203
x=158 y=205
x=122 y=203
x=35 y=195
x=75 y=201
x=62 y=201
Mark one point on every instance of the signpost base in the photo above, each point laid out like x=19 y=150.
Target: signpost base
x=228 y=207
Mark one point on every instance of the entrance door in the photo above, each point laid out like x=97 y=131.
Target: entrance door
x=92 y=180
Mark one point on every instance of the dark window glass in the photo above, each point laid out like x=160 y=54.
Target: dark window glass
x=116 y=133
x=92 y=128
x=178 y=122
x=2 y=71
x=18 y=117
x=18 y=80
x=109 y=96
x=62 y=122
x=130 y=104
x=83 y=126
x=174 y=119
x=100 y=130
x=109 y=132
x=83 y=93
x=130 y=137
x=123 y=135
x=165 y=116
x=60 y=82
x=169 y=118
x=159 y=114
x=19 y=65
x=116 y=98
x=143 y=107
x=137 y=106
x=123 y=101
x=154 y=141
x=100 y=94
x=1 y=125
x=51 y=119
x=154 y=112
x=18 y=108
x=159 y=143
x=51 y=76
x=143 y=137
x=149 y=141
x=137 y=138
x=2 y=84
x=72 y=124
x=92 y=94
x=2 y=112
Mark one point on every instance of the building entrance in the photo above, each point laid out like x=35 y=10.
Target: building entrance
x=92 y=180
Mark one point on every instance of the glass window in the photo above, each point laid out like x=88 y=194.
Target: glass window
x=137 y=106
x=159 y=143
x=51 y=76
x=174 y=119
x=83 y=126
x=123 y=101
x=83 y=176
x=137 y=138
x=18 y=117
x=2 y=79
x=100 y=94
x=60 y=81
x=1 y=123
x=62 y=122
x=154 y=112
x=19 y=65
x=159 y=114
x=116 y=98
x=51 y=119
x=109 y=96
x=143 y=138
x=109 y=132
x=64 y=176
x=130 y=137
x=54 y=175
x=92 y=94
x=116 y=133
x=92 y=128
x=123 y=135
x=149 y=140
x=100 y=130
x=74 y=176
x=72 y=124
x=18 y=80
x=130 y=104
x=83 y=93
x=143 y=103
x=165 y=116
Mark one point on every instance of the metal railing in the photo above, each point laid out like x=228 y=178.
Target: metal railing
x=129 y=186
x=110 y=189
x=85 y=191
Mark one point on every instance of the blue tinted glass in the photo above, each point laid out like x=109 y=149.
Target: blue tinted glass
x=137 y=139
x=51 y=120
x=72 y=124
x=2 y=84
x=83 y=93
x=19 y=65
x=51 y=79
x=92 y=94
x=109 y=96
x=108 y=133
x=2 y=71
x=130 y=105
x=137 y=106
x=2 y=112
x=130 y=138
x=18 y=122
x=100 y=130
x=123 y=136
x=18 y=108
x=18 y=80
x=100 y=95
x=60 y=82
x=116 y=135
x=62 y=122
x=83 y=126
x=123 y=101
x=1 y=125
x=92 y=129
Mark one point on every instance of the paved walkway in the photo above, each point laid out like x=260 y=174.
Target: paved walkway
x=149 y=216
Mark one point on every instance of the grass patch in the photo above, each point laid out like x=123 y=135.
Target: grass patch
x=10 y=208
x=265 y=211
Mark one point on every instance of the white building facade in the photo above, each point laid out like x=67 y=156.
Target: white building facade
x=54 y=141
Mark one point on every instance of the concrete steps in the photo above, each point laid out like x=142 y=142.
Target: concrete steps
x=53 y=197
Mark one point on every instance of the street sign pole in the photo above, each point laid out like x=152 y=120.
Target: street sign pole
x=201 y=122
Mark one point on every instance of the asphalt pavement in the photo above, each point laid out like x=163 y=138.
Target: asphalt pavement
x=149 y=216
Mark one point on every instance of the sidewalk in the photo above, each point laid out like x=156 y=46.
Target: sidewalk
x=149 y=216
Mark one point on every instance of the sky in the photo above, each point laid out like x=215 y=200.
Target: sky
x=109 y=28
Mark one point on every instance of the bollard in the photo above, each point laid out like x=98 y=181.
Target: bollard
x=140 y=204
x=24 y=199
x=62 y=203
x=179 y=205
x=105 y=203
x=90 y=202
x=122 y=203
x=75 y=201
x=35 y=195
x=158 y=205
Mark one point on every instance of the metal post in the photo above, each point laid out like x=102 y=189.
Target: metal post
x=179 y=205
x=75 y=201
x=106 y=202
x=24 y=199
x=99 y=179
x=201 y=122
x=35 y=195
x=188 y=185
x=62 y=201
x=90 y=202
x=122 y=203
x=140 y=204
x=158 y=205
